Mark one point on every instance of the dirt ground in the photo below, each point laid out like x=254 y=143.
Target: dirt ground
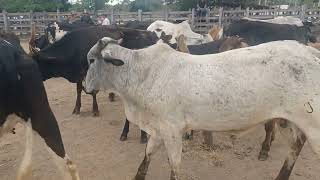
x=93 y=143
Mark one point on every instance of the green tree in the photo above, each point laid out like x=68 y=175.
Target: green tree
x=89 y=4
x=33 y=5
x=185 y=5
x=99 y=4
x=145 y=5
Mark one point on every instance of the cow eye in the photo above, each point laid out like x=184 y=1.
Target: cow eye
x=91 y=61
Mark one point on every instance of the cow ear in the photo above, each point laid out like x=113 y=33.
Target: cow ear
x=101 y=43
x=243 y=45
x=168 y=37
x=165 y=38
x=120 y=41
x=116 y=62
x=162 y=35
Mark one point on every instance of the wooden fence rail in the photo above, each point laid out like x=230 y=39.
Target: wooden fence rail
x=20 y=23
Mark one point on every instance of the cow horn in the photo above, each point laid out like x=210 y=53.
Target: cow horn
x=32 y=43
x=102 y=44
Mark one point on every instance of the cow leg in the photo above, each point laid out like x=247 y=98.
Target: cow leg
x=297 y=140
x=78 y=101
x=95 y=108
x=125 y=131
x=270 y=134
x=50 y=132
x=189 y=135
x=173 y=143
x=208 y=139
x=111 y=97
x=8 y=125
x=143 y=137
x=42 y=118
x=48 y=129
x=152 y=147
x=25 y=170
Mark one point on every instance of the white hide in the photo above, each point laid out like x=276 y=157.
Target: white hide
x=59 y=33
x=281 y=20
x=67 y=167
x=165 y=91
x=105 y=22
x=176 y=30
x=25 y=169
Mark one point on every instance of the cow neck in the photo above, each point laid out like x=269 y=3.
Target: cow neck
x=121 y=74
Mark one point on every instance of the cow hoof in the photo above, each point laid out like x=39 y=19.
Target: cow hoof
x=143 y=140
x=123 y=138
x=96 y=114
x=76 y=111
x=111 y=97
x=139 y=177
x=263 y=156
x=283 y=124
x=188 y=136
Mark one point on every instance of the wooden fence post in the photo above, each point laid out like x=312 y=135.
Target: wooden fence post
x=193 y=17
x=166 y=14
x=275 y=13
x=31 y=21
x=207 y=15
x=58 y=15
x=43 y=17
x=248 y=12
x=5 y=21
x=112 y=16
x=303 y=12
x=220 y=16
x=139 y=15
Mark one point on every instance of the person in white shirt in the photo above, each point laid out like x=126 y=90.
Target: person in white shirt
x=105 y=21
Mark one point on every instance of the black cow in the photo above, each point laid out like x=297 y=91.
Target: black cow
x=22 y=93
x=53 y=28
x=141 y=25
x=43 y=41
x=68 y=57
x=255 y=32
x=213 y=47
x=315 y=31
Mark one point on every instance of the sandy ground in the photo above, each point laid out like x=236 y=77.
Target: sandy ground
x=93 y=144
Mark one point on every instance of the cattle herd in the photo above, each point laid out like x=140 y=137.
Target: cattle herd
x=170 y=80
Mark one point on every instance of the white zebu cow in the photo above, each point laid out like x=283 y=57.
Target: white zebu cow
x=175 y=30
x=165 y=92
x=280 y=20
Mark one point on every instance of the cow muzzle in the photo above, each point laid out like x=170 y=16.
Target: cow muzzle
x=84 y=88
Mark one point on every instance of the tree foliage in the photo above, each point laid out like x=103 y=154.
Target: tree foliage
x=132 y=5
x=145 y=5
x=89 y=5
x=185 y=5
x=33 y=5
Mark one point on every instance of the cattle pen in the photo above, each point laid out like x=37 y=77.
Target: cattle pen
x=20 y=23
